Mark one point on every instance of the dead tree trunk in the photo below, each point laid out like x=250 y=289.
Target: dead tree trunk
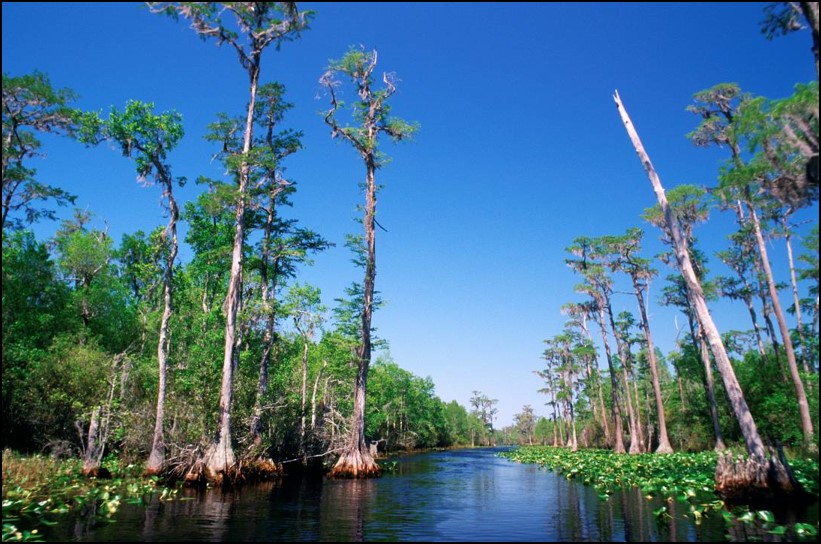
x=761 y=475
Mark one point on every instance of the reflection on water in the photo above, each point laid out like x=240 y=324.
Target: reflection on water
x=466 y=495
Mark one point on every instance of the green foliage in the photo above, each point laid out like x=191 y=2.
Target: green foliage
x=781 y=18
x=672 y=475
x=146 y=136
x=688 y=478
x=371 y=114
x=35 y=309
x=771 y=398
x=31 y=105
x=38 y=490
x=404 y=410
x=262 y=24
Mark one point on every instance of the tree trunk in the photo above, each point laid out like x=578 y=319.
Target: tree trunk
x=810 y=11
x=700 y=345
x=755 y=446
x=664 y=442
x=635 y=445
x=156 y=459
x=313 y=395
x=91 y=464
x=748 y=301
x=356 y=460
x=270 y=322
x=763 y=470
x=303 y=413
x=639 y=425
x=219 y=457
x=618 y=444
x=792 y=364
x=710 y=389
x=796 y=298
x=590 y=374
x=100 y=421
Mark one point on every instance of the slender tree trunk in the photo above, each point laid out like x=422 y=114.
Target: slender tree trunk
x=561 y=429
x=760 y=290
x=313 y=395
x=700 y=345
x=356 y=460
x=219 y=457
x=803 y=405
x=635 y=446
x=766 y=314
x=100 y=421
x=602 y=410
x=639 y=425
x=618 y=444
x=268 y=338
x=156 y=459
x=710 y=389
x=302 y=411
x=796 y=298
x=681 y=396
x=748 y=301
x=755 y=446
x=664 y=442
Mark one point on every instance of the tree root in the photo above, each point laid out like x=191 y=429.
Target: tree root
x=355 y=465
x=753 y=481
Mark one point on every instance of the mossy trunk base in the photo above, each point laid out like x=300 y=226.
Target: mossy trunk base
x=355 y=464
x=751 y=481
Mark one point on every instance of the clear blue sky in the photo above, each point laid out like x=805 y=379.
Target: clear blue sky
x=520 y=150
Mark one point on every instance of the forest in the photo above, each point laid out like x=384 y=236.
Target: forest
x=227 y=364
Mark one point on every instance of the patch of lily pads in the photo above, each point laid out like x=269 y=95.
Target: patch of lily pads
x=683 y=477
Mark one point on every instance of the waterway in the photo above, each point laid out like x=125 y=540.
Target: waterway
x=461 y=495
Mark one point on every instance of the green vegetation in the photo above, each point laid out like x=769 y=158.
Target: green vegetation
x=259 y=374
x=38 y=489
x=678 y=475
x=117 y=350
x=684 y=477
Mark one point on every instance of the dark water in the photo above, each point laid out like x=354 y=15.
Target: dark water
x=466 y=495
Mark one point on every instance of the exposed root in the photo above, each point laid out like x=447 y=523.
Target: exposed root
x=261 y=469
x=355 y=464
x=752 y=481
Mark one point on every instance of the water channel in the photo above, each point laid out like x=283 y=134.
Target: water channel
x=461 y=495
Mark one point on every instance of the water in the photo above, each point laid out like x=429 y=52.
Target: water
x=466 y=495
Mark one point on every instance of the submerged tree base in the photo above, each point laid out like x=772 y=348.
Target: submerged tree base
x=355 y=464
x=96 y=472
x=261 y=469
x=751 y=481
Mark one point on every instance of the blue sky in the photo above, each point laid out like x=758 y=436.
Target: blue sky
x=520 y=150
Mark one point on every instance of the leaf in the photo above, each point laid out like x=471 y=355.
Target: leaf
x=766 y=516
